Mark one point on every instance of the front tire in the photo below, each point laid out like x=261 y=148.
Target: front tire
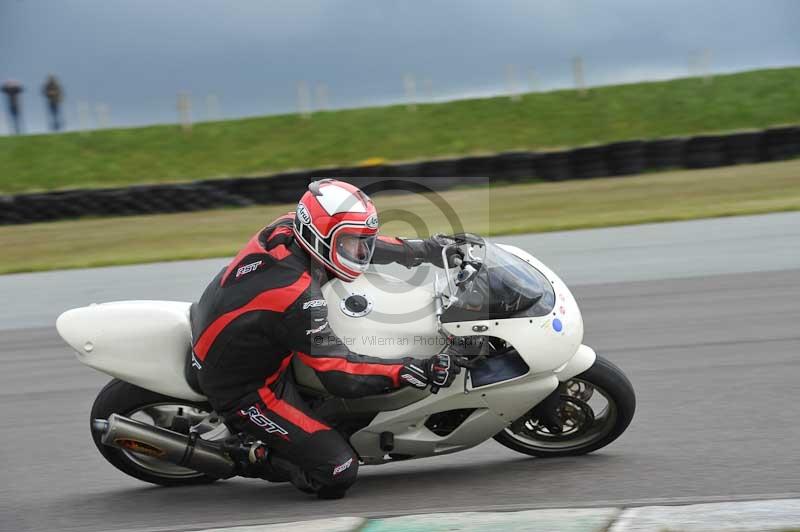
x=588 y=423
x=120 y=397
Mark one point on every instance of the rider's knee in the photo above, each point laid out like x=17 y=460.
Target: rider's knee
x=344 y=470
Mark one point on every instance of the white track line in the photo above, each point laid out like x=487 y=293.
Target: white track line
x=618 y=503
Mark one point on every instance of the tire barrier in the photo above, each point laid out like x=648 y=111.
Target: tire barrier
x=256 y=189
x=514 y=166
x=626 y=158
x=438 y=168
x=707 y=151
x=479 y=166
x=156 y=199
x=742 y=148
x=373 y=183
x=663 y=154
x=618 y=158
x=402 y=170
x=287 y=188
x=589 y=162
x=553 y=166
x=781 y=143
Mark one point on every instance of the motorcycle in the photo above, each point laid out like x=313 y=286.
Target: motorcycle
x=509 y=321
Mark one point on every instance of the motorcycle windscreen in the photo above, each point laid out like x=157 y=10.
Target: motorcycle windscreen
x=505 y=286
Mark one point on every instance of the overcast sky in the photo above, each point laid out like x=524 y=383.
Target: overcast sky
x=136 y=55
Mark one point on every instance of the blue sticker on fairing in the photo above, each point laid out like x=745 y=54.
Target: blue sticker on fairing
x=557 y=325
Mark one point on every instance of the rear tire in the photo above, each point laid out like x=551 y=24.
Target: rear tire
x=120 y=397
x=612 y=383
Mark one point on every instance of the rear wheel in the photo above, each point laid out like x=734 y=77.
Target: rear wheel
x=595 y=407
x=120 y=397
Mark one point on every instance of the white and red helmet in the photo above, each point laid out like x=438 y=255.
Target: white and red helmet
x=337 y=224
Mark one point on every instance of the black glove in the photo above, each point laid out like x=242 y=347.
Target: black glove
x=439 y=371
x=430 y=250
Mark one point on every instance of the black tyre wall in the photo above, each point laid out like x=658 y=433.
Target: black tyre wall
x=120 y=397
x=610 y=378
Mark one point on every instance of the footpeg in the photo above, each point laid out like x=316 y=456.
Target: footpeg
x=386 y=442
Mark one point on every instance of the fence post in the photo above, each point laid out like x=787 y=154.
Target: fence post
x=102 y=114
x=212 y=107
x=511 y=83
x=322 y=97
x=303 y=100
x=427 y=84
x=410 y=87
x=83 y=117
x=185 y=111
x=532 y=79
x=707 y=66
x=577 y=71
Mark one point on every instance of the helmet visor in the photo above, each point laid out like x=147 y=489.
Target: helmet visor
x=355 y=251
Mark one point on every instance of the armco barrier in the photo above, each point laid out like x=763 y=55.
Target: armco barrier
x=619 y=158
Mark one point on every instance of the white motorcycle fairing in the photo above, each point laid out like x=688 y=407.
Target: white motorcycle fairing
x=146 y=343
x=551 y=356
x=142 y=342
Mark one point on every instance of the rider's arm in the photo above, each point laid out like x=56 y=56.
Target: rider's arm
x=304 y=329
x=408 y=252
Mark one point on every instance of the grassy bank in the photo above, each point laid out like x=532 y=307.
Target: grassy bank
x=524 y=208
x=261 y=145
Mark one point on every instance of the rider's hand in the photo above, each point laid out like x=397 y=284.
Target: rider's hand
x=438 y=371
x=442 y=370
x=430 y=250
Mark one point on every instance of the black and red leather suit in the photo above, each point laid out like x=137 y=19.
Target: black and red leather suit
x=259 y=313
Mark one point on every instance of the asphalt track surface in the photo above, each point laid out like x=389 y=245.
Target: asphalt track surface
x=714 y=358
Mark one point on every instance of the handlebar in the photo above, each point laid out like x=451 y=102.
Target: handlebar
x=464 y=362
x=450 y=284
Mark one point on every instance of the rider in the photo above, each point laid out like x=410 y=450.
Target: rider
x=266 y=308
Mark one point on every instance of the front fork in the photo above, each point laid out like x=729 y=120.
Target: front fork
x=546 y=412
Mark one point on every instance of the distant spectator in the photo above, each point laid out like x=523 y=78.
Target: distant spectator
x=53 y=94
x=13 y=88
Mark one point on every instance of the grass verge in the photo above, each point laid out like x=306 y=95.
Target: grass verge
x=535 y=207
x=262 y=145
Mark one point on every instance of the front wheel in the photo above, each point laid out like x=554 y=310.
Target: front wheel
x=595 y=407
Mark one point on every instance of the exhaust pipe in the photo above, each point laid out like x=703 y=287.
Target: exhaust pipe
x=187 y=451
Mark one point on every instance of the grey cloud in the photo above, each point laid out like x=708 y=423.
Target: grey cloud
x=135 y=55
